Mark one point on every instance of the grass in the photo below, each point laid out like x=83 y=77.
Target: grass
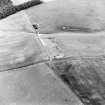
x=73 y=14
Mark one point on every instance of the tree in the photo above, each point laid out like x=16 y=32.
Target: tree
x=5 y=2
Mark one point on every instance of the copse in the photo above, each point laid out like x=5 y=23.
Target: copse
x=8 y=8
x=4 y=3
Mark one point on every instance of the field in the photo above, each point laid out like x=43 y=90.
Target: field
x=76 y=79
x=78 y=28
x=35 y=84
x=82 y=15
